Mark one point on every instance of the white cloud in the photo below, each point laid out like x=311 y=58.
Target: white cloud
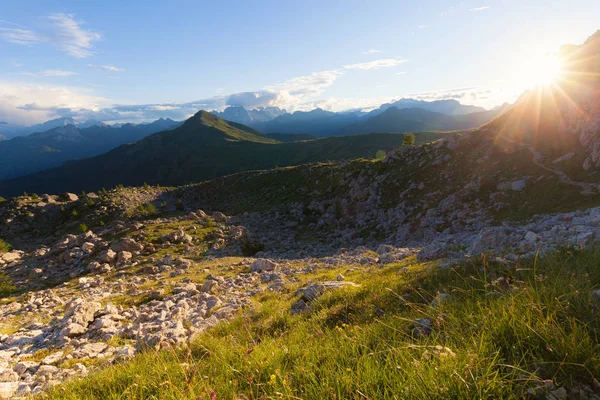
x=22 y=103
x=400 y=73
x=49 y=73
x=70 y=37
x=376 y=64
x=15 y=63
x=56 y=72
x=111 y=68
x=20 y=36
x=421 y=26
x=476 y=9
x=371 y=51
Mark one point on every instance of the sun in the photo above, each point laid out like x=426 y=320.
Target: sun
x=543 y=70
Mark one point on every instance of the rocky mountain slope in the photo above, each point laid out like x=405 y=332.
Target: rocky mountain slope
x=462 y=268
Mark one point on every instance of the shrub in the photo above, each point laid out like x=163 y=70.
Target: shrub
x=35 y=197
x=380 y=155
x=147 y=209
x=2 y=199
x=409 y=139
x=83 y=228
x=4 y=247
x=6 y=285
x=179 y=205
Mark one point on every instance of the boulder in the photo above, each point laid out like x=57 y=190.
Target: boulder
x=69 y=197
x=263 y=264
x=127 y=244
x=311 y=292
x=9 y=382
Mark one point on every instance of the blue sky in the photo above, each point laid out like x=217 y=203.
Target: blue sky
x=134 y=60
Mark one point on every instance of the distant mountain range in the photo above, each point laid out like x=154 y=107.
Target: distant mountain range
x=41 y=150
x=243 y=116
x=316 y=122
x=422 y=115
x=323 y=123
x=203 y=147
x=10 y=131
x=64 y=139
x=394 y=119
x=448 y=107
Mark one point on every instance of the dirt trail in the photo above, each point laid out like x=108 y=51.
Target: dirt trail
x=587 y=188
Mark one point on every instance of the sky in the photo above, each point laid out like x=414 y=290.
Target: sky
x=119 y=61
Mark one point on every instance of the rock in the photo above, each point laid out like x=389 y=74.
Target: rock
x=496 y=238
x=90 y=350
x=52 y=358
x=385 y=248
x=125 y=353
x=157 y=294
x=107 y=256
x=299 y=307
x=75 y=322
x=432 y=251
x=9 y=382
x=564 y=158
x=26 y=366
x=69 y=197
x=210 y=286
x=422 y=327
x=189 y=289
x=127 y=244
x=11 y=256
x=531 y=237
x=311 y=292
x=88 y=247
x=124 y=257
x=518 y=185
x=219 y=217
x=440 y=298
x=262 y=264
x=73 y=330
x=177 y=237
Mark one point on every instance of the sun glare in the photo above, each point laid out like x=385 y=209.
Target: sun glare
x=543 y=70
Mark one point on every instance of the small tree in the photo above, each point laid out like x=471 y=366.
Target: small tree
x=409 y=139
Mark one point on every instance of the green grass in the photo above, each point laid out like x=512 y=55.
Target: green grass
x=7 y=287
x=488 y=342
x=4 y=246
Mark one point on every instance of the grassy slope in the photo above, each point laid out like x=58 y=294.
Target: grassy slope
x=159 y=159
x=357 y=343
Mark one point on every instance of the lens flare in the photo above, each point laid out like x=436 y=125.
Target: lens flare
x=543 y=70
